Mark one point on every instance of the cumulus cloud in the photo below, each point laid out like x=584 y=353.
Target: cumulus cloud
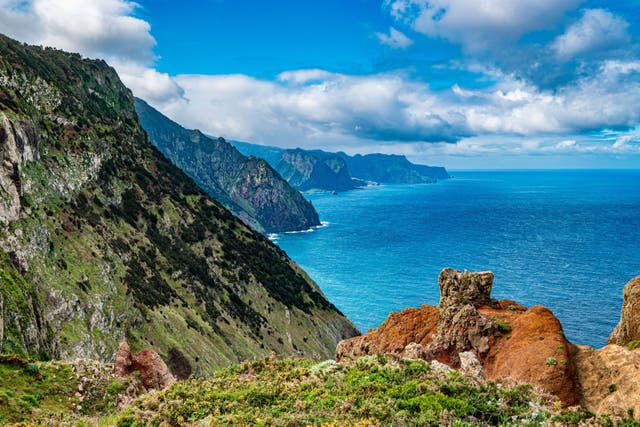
x=96 y=28
x=479 y=24
x=394 y=39
x=103 y=29
x=382 y=107
x=332 y=108
x=597 y=30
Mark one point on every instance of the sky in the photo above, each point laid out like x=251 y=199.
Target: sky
x=468 y=84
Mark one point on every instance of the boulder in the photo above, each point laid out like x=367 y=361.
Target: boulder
x=629 y=327
x=470 y=365
x=154 y=373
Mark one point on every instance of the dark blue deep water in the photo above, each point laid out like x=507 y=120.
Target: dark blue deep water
x=569 y=240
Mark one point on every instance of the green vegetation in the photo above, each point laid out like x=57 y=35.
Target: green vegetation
x=371 y=391
x=48 y=392
x=365 y=392
x=633 y=345
x=114 y=242
x=247 y=186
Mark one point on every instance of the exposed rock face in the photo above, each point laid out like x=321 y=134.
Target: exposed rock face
x=398 y=334
x=18 y=145
x=247 y=186
x=628 y=329
x=505 y=338
x=315 y=170
x=154 y=373
x=609 y=379
x=535 y=351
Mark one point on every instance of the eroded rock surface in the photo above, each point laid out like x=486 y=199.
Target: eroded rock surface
x=609 y=379
x=629 y=327
x=506 y=338
x=154 y=373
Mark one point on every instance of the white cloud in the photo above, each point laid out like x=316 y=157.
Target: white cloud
x=479 y=24
x=103 y=29
x=149 y=84
x=597 y=30
x=327 y=109
x=95 y=28
x=394 y=39
x=304 y=76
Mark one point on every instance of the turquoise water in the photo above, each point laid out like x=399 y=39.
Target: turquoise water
x=569 y=240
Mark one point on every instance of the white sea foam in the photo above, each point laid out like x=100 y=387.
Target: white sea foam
x=310 y=229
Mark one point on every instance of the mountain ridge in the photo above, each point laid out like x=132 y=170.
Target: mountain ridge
x=102 y=239
x=247 y=186
x=340 y=171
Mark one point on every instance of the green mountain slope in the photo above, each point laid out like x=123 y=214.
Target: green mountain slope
x=102 y=239
x=247 y=186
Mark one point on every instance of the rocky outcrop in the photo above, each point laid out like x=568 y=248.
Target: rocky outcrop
x=461 y=327
x=628 y=329
x=609 y=379
x=505 y=338
x=406 y=334
x=154 y=374
x=247 y=186
x=18 y=145
x=534 y=350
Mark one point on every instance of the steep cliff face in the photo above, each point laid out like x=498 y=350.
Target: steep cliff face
x=297 y=167
x=628 y=329
x=248 y=187
x=102 y=239
x=315 y=170
x=391 y=169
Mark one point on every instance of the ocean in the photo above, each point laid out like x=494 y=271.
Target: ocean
x=569 y=240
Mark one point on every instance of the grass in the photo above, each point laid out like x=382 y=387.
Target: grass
x=48 y=393
x=369 y=391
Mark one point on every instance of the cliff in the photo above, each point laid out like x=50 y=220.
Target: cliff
x=315 y=170
x=391 y=169
x=247 y=186
x=102 y=239
x=339 y=171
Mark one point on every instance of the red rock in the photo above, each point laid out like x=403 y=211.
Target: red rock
x=154 y=373
x=535 y=351
x=508 y=339
x=411 y=325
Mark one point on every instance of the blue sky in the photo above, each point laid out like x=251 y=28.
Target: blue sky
x=464 y=83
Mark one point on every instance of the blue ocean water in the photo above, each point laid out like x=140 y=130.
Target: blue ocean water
x=569 y=240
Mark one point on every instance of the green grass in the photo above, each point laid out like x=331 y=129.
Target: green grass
x=52 y=393
x=366 y=392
